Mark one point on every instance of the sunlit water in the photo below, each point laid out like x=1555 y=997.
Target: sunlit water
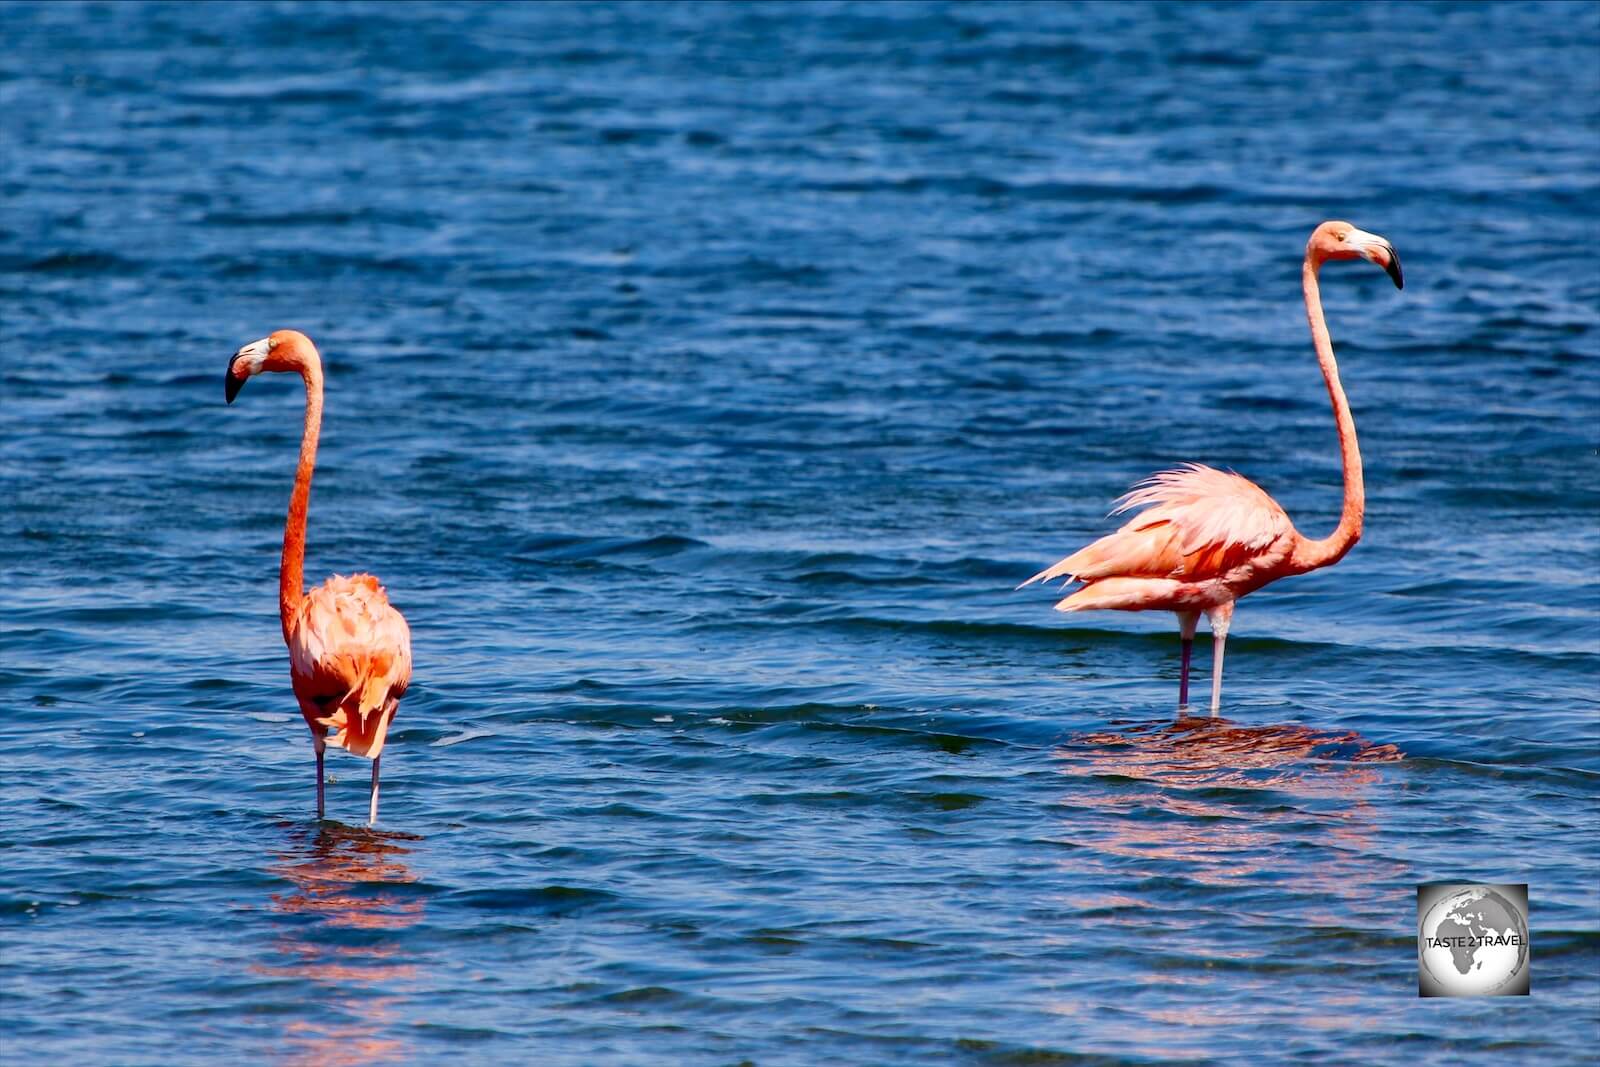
x=701 y=381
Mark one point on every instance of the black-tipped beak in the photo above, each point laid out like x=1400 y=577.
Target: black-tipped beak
x=231 y=385
x=1394 y=266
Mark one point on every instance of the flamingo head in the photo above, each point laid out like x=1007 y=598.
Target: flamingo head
x=1340 y=240
x=282 y=350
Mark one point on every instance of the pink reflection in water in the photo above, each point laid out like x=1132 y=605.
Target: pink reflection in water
x=1216 y=839
x=338 y=873
x=1180 y=813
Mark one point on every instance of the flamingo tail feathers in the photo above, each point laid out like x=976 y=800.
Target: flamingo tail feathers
x=360 y=721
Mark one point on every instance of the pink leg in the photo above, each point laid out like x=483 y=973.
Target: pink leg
x=1187 y=620
x=1221 y=616
x=1183 y=682
x=372 y=810
x=317 y=744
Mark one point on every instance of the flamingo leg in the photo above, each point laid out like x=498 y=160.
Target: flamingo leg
x=1220 y=617
x=317 y=745
x=1187 y=621
x=372 y=810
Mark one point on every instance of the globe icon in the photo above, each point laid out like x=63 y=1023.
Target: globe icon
x=1474 y=943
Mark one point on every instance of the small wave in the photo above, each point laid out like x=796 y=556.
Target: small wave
x=290 y=219
x=988 y=188
x=827 y=579
x=78 y=264
x=307 y=264
x=1247 y=402
x=555 y=900
x=271 y=91
x=456 y=739
x=577 y=546
x=1217 y=58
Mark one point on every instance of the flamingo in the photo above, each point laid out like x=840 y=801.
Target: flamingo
x=349 y=649
x=1208 y=537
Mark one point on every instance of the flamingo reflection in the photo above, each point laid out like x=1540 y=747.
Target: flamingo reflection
x=348 y=878
x=1190 y=818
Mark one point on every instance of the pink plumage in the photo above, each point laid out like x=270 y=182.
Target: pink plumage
x=350 y=662
x=1199 y=527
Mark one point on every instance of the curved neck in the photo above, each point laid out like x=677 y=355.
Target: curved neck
x=291 y=570
x=1310 y=555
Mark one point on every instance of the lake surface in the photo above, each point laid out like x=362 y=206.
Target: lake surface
x=701 y=382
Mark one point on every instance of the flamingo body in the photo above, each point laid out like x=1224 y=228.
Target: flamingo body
x=1203 y=538
x=1206 y=538
x=349 y=662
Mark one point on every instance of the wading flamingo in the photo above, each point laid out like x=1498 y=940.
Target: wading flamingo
x=1210 y=537
x=349 y=649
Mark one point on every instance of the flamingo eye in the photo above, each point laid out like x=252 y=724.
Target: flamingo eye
x=1342 y=236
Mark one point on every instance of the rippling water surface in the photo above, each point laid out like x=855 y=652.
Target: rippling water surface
x=701 y=381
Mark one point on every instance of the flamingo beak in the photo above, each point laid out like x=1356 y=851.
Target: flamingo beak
x=255 y=355
x=1381 y=252
x=231 y=385
x=1392 y=267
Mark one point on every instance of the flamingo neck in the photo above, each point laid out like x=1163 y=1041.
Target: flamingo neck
x=1309 y=555
x=291 y=571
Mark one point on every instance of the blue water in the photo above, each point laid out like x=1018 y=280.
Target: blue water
x=701 y=381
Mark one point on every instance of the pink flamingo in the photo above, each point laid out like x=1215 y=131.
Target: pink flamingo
x=1210 y=537
x=349 y=649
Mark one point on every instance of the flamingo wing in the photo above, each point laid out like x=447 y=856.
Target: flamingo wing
x=350 y=660
x=1198 y=524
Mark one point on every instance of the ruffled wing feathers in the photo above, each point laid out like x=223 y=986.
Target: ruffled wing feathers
x=1197 y=522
